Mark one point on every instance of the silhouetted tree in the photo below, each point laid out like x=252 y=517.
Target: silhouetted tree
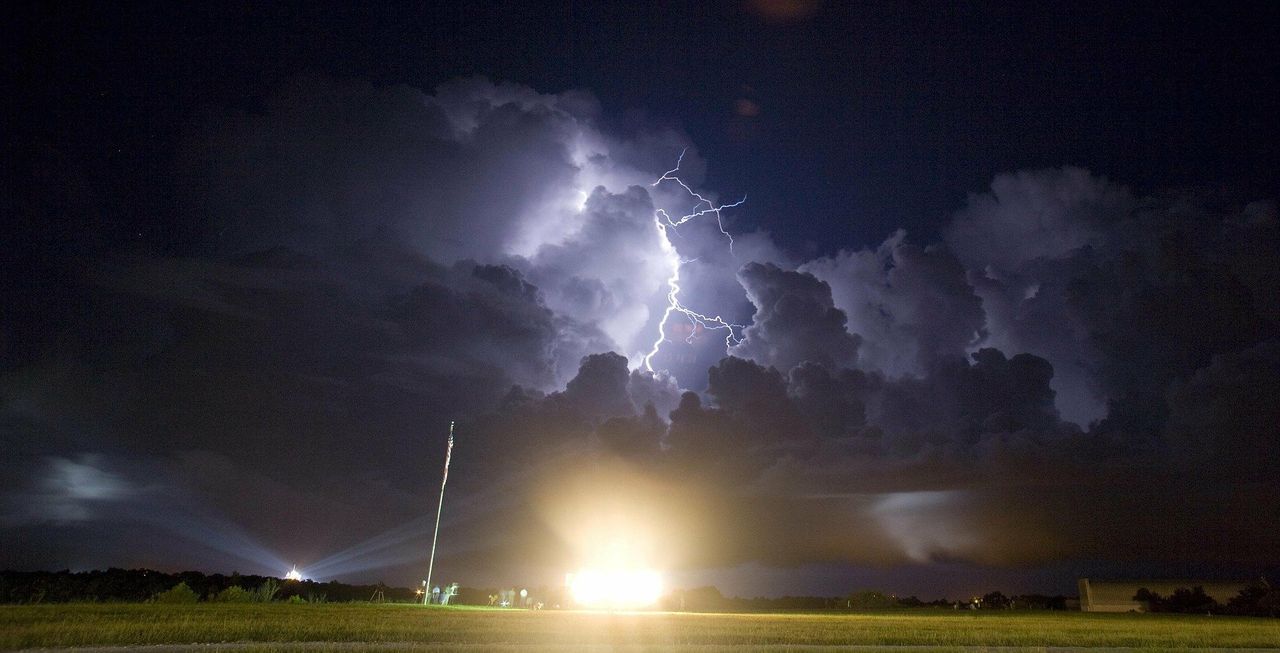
x=995 y=601
x=1152 y=601
x=179 y=593
x=1183 y=600
x=1192 y=601
x=703 y=599
x=1258 y=600
x=870 y=600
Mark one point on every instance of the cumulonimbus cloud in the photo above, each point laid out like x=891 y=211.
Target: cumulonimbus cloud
x=369 y=263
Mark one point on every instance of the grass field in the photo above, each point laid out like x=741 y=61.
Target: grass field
x=406 y=627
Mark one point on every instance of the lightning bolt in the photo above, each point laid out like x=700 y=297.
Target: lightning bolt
x=711 y=207
x=664 y=221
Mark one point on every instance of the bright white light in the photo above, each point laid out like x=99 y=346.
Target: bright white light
x=615 y=588
x=293 y=574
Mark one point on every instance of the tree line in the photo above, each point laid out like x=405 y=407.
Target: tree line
x=136 y=585
x=1259 y=599
x=709 y=599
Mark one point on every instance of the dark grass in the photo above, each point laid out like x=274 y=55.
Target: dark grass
x=150 y=624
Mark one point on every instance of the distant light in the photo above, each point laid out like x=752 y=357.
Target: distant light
x=293 y=574
x=615 y=588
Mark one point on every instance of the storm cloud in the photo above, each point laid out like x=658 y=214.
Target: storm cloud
x=1073 y=372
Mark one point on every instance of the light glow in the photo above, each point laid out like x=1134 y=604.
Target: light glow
x=615 y=589
x=293 y=574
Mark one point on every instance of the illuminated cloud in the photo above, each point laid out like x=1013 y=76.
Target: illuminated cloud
x=71 y=491
x=912 y=306
x=925 y=525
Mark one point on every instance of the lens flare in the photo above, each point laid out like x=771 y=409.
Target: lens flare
x=616 y=589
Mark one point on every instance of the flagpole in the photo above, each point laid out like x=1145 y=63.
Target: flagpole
x=448 y=453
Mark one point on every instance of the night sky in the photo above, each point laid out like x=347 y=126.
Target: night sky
x=1005 y=291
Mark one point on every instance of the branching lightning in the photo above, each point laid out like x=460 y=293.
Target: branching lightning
x=663 y=220
x=698 y=211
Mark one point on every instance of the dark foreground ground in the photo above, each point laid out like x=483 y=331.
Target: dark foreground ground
x=360 y=627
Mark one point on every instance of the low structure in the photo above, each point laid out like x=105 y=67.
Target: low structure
x=1117 y=596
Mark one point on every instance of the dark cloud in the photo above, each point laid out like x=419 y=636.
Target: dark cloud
x=1225 y=413
x=659 y=390
x=755 y=397
x=795 y=320
x=328 y=161
x=1030 y=215
x=600 y=388
x=833 y=405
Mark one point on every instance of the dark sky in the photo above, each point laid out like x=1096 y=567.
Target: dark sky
x=1004 y=289
x=872 y=116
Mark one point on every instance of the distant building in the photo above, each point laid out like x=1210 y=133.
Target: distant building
x=1117 y=596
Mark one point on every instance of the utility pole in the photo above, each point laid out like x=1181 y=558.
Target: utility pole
x=448 y=453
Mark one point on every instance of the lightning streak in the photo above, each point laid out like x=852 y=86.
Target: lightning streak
x=698 y=211
x=663 y=221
